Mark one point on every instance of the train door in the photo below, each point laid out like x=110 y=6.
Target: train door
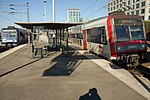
x=84 y=39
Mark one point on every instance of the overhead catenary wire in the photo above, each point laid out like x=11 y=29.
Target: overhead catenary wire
x=13 y=4
x=94 y=6
x=86 y=9
x=5 y=11
x=103 y=6
x=6 y=18
x=16 y=11
x=86 y=17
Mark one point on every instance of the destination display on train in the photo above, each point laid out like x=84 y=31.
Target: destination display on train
x=127 y=21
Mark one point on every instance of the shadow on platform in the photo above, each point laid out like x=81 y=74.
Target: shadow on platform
x=113 y=66
x=91 y=95
x=64 y=65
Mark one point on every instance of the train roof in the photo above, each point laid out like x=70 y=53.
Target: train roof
x=9 y=27
x=12 y=28
x=126 y=16
x=96 y=19
x=117 y=14
x=121 y=14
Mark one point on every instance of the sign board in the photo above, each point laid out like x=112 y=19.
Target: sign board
x=127 y=21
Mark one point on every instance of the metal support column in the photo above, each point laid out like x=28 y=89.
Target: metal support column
x=56 y=39
x=60 y=37
x=29 y=34
x=67 y=36
x=63 y=34
x=32 y=39
x=62 y=41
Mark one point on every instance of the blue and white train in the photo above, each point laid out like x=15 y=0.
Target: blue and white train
x=12 y=36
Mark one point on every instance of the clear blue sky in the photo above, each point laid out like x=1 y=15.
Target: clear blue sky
x=89 y=9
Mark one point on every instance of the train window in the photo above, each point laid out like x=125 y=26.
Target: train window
x=122 y=33
x=88 y=35
x=94 y=35
x=5 y=35
x=21 y=34
x=12 y=34
x=102 y=36
x=94 y=39
x=74 y=36
x=77 y=35
x=137 y=32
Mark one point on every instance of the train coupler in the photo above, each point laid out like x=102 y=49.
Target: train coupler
x=132 y=60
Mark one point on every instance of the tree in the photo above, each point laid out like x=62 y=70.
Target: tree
x=81 y=19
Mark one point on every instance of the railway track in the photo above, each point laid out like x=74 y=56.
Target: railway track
x=145 y=71
x=2 y=49
x=141 y=71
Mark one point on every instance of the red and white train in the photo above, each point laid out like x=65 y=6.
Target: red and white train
x=120 y=38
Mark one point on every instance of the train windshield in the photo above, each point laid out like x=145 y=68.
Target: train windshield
x=9 y=34
x=125 y=33
x=137 y=32
x=122 y=33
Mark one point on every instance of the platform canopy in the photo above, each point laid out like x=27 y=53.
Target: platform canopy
x=47 y=25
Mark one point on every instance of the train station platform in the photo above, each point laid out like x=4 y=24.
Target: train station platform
x=77 y=75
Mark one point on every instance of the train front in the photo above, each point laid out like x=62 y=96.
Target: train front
x=129 y=40
x=9 y=37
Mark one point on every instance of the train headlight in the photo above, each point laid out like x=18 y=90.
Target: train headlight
x=119 y=48
x=143 y=45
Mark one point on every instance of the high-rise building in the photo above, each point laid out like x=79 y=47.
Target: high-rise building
x=73 y=15
x=131 y=7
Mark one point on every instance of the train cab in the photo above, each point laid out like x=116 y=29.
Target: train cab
x=127 y=39
x=12 y=36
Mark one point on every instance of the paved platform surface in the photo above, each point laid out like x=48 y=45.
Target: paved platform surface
x=63 y=77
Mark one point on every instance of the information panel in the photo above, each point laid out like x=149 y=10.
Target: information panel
x=128 y=21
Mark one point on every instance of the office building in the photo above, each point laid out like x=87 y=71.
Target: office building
x=131 y=7
x=73 y=15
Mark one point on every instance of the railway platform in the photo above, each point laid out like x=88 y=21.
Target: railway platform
x=78 y=74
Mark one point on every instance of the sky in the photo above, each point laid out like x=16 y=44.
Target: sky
x=90 y=9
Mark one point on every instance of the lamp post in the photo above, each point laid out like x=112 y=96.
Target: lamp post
x=53 y=11
x=28 y=16
x=45 y=10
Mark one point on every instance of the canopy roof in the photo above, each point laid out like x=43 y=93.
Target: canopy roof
x=47 y=25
